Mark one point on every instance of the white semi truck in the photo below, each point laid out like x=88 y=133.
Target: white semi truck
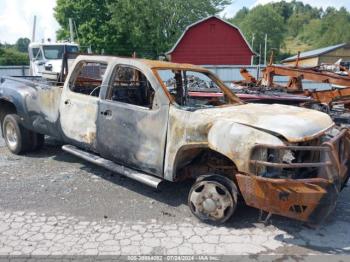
x=46 y=58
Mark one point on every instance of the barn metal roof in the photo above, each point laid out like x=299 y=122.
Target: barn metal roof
x=314 y=53
x=202 y=20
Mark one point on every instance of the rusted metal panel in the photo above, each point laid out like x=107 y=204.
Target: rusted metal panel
x=310 y=200
x=314 y=74
x=296 y=75
x=330 y=96
x=155 y=64
x=340 y=154
x=248 y=78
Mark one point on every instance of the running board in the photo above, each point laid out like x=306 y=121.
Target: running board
x=97 y=160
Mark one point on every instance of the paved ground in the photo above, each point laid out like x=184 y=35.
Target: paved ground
x=54 y=203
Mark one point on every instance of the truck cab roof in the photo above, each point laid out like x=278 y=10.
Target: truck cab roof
x=153 y=64
x=39 y=44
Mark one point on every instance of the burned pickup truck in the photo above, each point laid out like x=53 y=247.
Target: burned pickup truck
x=138 y=118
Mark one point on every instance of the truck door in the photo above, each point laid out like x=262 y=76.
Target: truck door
x=37 y=61
x=132 y=122
x=79 y=103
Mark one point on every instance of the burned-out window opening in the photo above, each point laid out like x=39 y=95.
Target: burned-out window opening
x=129 y=85
x=89 y=78
x=193 y=89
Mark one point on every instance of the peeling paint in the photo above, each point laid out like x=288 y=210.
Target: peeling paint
x=46 y=101
x=163 y=138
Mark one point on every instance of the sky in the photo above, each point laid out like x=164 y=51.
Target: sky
x=16 y=16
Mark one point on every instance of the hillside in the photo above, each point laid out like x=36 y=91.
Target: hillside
x=293 y=45
x=293 y=26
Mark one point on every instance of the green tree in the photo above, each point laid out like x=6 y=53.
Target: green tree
x=296 y=23
x=301 y=16
x=302 y=26
x=311 y=31
x=329 y=30
x=333 y=28
x=284 y=9
x=22 y=44
x=240 y=16
x=153 y=26
x=262 y=20
x=149 y=27
x=90 y=16
x=10 y=56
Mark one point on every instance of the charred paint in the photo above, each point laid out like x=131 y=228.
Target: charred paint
x=304 y=199
x=310 y=199
x=162 y=139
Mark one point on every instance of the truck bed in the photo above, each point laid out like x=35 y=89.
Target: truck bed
x=31 y=80
x=36 y=100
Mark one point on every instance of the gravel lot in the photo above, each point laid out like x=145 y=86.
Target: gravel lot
x=54 y=203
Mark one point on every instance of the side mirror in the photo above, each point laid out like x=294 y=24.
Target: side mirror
x=40 y=63
x=48 y=67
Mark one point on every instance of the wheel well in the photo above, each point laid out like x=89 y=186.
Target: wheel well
x=6 y=108
x=194 y=162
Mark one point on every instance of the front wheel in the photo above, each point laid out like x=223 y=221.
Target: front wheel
x=212 y=199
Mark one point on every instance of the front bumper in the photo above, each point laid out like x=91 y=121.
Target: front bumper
x=311 y=199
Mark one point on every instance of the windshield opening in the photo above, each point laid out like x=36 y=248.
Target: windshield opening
x=56 y=51
x=193 y=89
x=36 y=53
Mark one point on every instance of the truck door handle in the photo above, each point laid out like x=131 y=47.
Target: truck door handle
x=67 y=102
x=106 y=113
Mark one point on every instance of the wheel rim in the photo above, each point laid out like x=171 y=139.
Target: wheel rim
x=210 y=200
x=11 y=134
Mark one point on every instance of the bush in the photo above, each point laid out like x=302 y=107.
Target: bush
x=10 y=56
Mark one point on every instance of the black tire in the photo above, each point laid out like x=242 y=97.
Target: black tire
x=209 y=206
x=41 y=141
x=17 y=138
x=37 y=141
x=222 y=179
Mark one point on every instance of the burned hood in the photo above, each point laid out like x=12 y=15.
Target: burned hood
x=295 y=124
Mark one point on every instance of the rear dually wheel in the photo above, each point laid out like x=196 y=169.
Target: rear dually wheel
x=16 y=137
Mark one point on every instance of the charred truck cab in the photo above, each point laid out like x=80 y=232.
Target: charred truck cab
x=153 y=121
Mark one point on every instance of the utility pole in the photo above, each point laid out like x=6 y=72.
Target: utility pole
x=253 y=37
x=34 y=29
x=71 y=30
x=76 y=31
x=258 y=69
x=265 y=49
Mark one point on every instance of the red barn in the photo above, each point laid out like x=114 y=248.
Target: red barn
x=212 y=41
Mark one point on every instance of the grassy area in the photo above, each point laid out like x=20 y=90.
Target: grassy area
x=293 y=45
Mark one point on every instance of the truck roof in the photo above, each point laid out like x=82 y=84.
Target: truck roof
x=153 y=64
x=164 y=64
x=38 y=44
